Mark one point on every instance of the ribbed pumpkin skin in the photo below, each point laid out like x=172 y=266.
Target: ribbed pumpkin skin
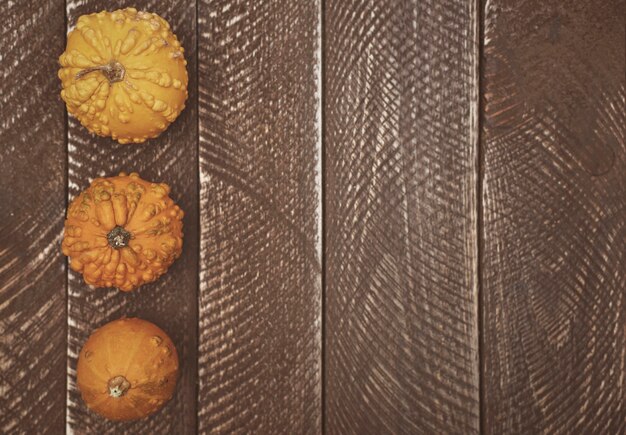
x=141 y=353
x=142 y=209
x=153 y=90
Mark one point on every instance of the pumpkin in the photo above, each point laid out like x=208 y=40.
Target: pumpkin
x=127 y=369
x=123 y=232
x=123 y=74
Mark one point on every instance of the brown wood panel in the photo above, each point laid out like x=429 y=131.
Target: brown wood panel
x=260 y=302
x=170 y=302
x=554 y=279
x=32 y=206
x=400 y=158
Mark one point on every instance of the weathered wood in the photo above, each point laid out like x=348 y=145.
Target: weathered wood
x=401 y=141
x=554 y=281
x=32 y=206
x=170 y=302
x=260 y=301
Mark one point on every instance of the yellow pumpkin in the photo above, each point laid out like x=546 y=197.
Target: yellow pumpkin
x=123 y=74
x=123 y=232
x=127 y=369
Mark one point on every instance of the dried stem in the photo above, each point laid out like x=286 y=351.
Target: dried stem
x=113 y=71
x=118 y=238
x=118 y=386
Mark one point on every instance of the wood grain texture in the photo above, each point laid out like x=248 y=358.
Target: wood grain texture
x=260 y=302
x=32 y=205
x=171 y=301
x=554 y=281
x=400 y=141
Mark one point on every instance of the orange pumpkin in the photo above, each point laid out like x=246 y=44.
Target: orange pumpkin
x=127 y=369
x=123 y=232
x=124 y=74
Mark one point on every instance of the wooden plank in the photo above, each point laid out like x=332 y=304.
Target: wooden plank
x=554 y=292
x=170 y=302
x=33 y=162
x=401 y=140
x=260 y=301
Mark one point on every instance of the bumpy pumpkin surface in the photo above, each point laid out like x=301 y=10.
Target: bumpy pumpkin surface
x=123 y=74
x=123 y=232
x=127 y=369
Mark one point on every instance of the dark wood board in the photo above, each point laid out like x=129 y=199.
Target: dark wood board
x=429 y=229
x=260 y=301
x=171 y=301
x=32 y=206
x=401 y=334
x=554 y=201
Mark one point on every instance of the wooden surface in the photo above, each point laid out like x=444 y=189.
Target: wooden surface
x=32 y=206
x=171 y=301
x=401 y=290
x=554 y=279
x=260 y=294
x=378 y=239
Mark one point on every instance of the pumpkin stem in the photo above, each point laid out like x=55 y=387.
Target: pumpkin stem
x=113 y=71
x=118 y=238
x=118 y=386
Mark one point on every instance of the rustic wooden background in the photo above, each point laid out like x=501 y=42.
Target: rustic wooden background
x=401 y=217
